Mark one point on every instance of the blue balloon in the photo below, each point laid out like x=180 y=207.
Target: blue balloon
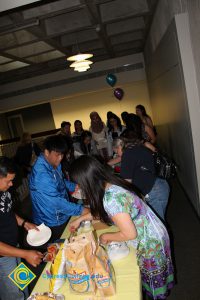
x=111 y=79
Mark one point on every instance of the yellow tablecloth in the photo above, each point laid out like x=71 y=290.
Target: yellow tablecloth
x=127 y=278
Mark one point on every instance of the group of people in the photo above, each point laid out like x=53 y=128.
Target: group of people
x=99 y=137
x=134 y=200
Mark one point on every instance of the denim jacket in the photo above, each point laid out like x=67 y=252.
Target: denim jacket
x=48 y=189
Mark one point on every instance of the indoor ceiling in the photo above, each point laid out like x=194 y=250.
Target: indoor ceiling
x=36 y=39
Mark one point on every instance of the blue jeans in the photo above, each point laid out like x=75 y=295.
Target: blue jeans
x=8 y=290
x=157 y=198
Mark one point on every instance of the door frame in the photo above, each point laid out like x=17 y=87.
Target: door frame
x=10 y=124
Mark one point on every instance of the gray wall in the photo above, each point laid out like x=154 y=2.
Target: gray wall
x=36 y=118
x=169 y=99
x=165 y=12
x=194 y=22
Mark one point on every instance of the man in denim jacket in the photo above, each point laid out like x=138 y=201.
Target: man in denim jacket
x=49 y=190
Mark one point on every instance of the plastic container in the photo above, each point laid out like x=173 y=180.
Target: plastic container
x=86 y=226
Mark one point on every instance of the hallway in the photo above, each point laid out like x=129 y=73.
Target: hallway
x=185 y=228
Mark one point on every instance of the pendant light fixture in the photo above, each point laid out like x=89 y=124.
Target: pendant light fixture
x=80 y=60
x=80 y=56
x=80 y=63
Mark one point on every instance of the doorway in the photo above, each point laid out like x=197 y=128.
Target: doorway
x=16 y=125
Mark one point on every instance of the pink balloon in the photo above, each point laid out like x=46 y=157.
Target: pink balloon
x=119 y=93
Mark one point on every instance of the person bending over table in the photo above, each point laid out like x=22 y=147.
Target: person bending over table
x=10 y=255
x=49 y=189
x=138 y=167
x=114 y=200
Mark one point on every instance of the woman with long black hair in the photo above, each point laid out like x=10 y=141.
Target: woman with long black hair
x=115 y=128
x=86 y=145
x=141 y=112
x=114 y=200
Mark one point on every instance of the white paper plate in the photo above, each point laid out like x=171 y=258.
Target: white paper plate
x=38 y=238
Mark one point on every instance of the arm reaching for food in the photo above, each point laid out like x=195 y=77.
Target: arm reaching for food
x=76 y=223
x=127 y=230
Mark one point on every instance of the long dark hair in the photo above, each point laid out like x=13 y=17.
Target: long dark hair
x=124 y=116
x=143 y=110
x=83 y=147
x=135 y=124
x=119 y=124
x=92 y=177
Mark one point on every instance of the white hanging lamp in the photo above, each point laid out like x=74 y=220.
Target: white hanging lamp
x=80 y=60
x=81 y=69
x=81 y=63
x=80 y=57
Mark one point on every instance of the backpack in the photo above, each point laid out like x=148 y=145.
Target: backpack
x=164 y=166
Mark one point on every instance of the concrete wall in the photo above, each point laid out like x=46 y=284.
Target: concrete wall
x=191 y=79
x=165 y=12
x=193 y=9
x=174 y=91
x=102 y=100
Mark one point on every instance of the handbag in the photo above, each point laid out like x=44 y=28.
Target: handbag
x=165 y=167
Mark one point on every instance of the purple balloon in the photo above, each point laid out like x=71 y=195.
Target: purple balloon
x=119 y=93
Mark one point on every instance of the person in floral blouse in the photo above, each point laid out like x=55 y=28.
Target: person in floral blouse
x=114 y=200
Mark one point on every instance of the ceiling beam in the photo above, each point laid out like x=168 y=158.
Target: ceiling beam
x=53 y=9
x=16 y=58
x=95 y=17
x=4 y=48
x=115 y=11
x=18 y=26
x=39 y=32
x=96 y=27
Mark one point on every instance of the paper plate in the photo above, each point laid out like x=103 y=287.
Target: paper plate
x=38 y=238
